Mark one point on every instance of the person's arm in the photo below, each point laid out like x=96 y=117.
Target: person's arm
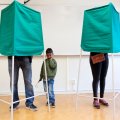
x=52 y=63
x=41 y=73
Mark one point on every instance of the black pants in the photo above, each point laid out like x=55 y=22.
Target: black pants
x=99 y=72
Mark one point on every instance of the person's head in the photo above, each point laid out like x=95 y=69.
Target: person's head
x=49 y=53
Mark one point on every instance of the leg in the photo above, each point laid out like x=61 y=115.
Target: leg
x=96 y=70
x=27 y=74
x=44 y=86
x=103 y=76
x=16 y=74
x=45 y=90
x=51 y=91
x=102 y=80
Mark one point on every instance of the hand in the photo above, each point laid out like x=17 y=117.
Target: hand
x=39 y=80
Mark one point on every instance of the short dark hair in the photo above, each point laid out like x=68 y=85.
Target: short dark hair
x=49 y=50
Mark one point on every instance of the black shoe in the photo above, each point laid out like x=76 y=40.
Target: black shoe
x=31 y=107
x=53 y=105
x=96 y=104
x=103 y=102
x=15 y=107
x=47 y=104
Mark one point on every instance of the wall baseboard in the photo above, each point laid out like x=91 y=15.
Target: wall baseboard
x=5 y=93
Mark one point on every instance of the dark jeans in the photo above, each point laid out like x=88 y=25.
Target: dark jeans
x=25 y=65
x=99 y=72
x=50 y=89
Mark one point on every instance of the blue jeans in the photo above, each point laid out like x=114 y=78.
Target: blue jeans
x=50 y=89
x=25 y=65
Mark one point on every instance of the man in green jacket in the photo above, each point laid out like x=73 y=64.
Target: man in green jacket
x=51 y=69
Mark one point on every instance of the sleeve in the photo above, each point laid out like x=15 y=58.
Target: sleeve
x=41 y=73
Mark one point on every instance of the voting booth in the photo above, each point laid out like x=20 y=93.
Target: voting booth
x=20 y=31
x=101 y=30
x=20 y=35
x=101 y=33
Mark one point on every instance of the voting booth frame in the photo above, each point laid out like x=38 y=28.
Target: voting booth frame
x=77 y=92
x=12 y=89
x=28 y=41
x=115 y=95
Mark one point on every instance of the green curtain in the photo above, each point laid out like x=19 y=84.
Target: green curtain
x=101 y=30
x=20 y=31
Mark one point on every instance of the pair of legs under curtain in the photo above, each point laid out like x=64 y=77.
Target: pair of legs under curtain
x=99 y=72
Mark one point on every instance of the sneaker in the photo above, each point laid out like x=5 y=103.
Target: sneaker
x=103 y=102
x=53 y=105
x=31 y=107
x=15 y=107
x=96 y=104
x=47 y=104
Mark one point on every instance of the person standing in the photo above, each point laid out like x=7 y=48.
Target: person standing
x=23 y=62
x=51 y=69
x=99 y=66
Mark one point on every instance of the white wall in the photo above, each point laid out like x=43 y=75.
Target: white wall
x=62 y=21
x=67 y=75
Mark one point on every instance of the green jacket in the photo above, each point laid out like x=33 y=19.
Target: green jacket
x=51 y=68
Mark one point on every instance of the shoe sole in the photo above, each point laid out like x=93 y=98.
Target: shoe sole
x=32 y=109
x=53 y=106
x=97 y=107
x=104 y=104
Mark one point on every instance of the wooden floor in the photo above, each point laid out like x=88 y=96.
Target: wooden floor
x=65 y=109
